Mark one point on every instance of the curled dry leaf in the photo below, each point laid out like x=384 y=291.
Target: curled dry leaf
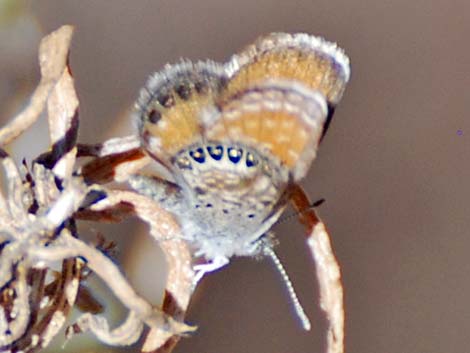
x=38 y=232
x=114 y=167
x=116 y=160
x=32 y=211
x=327 y=268
x=166 y=231
x=53 y=52
x=37 y=223
x=34 y=214
x=62 y=108
x=331 y=289
x=140 y=311
x=110 y=147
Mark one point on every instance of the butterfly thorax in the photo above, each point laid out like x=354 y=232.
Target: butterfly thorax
x=233 y=195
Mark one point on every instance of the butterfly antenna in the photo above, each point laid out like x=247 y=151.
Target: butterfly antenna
x=299 y=310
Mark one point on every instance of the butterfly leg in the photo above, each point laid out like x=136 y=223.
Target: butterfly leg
x=164 y=192
x=217 y=263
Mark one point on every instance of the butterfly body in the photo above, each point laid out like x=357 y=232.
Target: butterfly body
x=226 y=185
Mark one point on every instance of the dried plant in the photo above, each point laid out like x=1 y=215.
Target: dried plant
x=43 y=260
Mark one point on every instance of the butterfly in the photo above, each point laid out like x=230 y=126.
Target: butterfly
x=230 y=139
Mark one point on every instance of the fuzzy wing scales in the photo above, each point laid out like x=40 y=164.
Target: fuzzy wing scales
x=280 y=118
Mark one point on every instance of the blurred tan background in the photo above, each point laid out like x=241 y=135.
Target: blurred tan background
x=394 y=168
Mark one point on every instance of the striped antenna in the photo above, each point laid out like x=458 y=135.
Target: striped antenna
x=299 y=310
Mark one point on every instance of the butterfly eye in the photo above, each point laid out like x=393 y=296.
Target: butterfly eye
x=198 y=155
x=234 y=154
x=215 y=152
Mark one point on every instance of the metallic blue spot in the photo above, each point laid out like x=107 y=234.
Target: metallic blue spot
x=251 y=161
x=234 y=154
x=198 y=155
x=216 y=152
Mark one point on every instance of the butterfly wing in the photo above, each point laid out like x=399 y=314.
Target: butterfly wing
x=277 y=95
x=280 y=118
x=169 y=107
x=280 y=96
x=310 y=60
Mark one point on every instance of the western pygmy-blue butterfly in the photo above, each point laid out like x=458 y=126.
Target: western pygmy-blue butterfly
x=231 y=138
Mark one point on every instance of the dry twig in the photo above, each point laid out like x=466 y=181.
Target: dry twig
x=53 y=52
x=327 y=268
x=37 y=225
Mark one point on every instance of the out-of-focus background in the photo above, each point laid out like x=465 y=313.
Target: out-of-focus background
x=394 y=168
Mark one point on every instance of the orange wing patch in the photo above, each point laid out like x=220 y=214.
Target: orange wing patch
x=278 y=117
x=312 y=61
x=178 y=126
x=169 y=108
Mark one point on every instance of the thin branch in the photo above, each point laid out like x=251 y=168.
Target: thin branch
x=327 y=268
x=167 y=233
x=53 y=52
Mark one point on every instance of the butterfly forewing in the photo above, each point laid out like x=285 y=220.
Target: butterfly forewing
x=170 y=106
x=318 y=64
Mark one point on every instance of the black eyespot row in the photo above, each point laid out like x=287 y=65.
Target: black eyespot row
x=166 y=100
x=201 y=87
x=183 y=162
x=251 y=160
x=154 y=116
x=234 y=154
x=216 y=152
x=198 y=155
x=183 y=91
